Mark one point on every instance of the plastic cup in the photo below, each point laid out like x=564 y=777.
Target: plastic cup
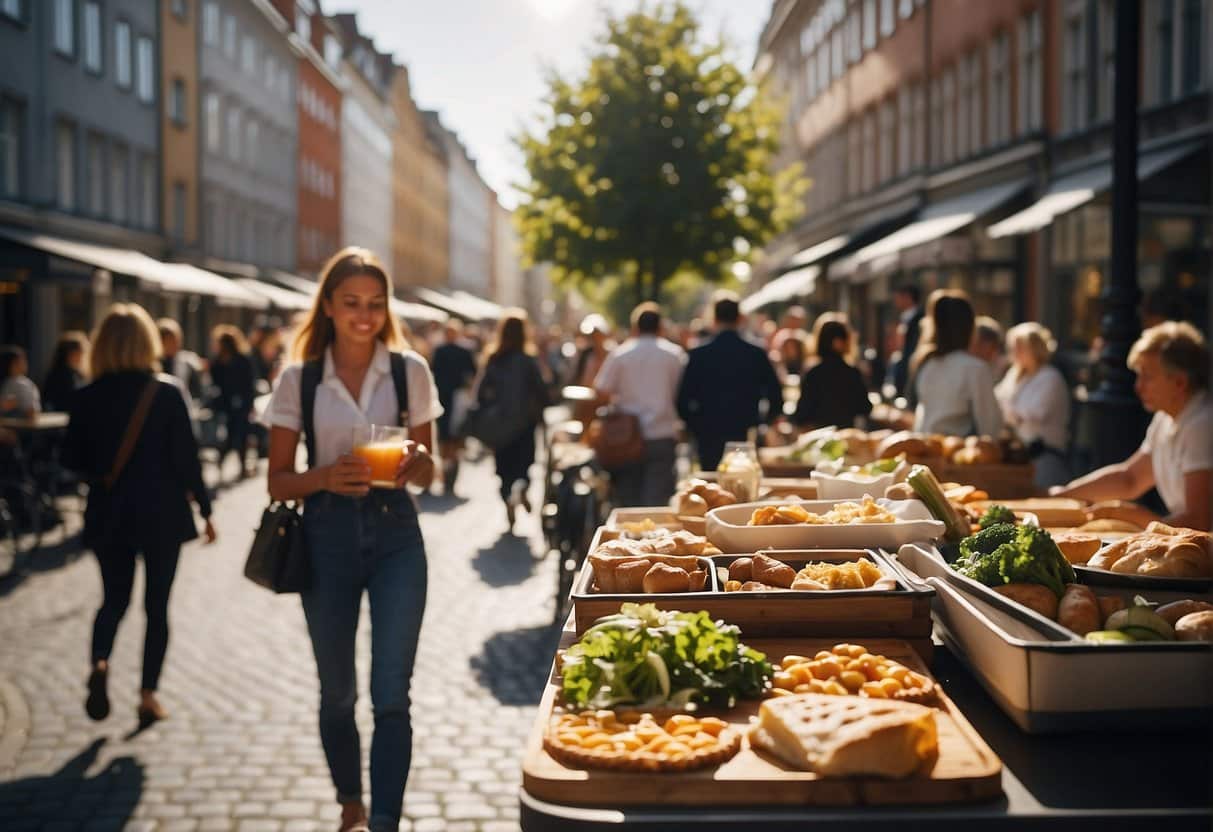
x=382 y=446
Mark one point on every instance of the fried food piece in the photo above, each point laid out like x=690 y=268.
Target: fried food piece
x=1033 y=596
x=1079 y=610
x=767 y=570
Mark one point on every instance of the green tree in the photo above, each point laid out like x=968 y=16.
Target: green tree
x=657 y=161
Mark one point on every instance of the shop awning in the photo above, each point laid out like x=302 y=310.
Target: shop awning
x=278 y=297
x=935 y=221
x=1075 y=190
x=169 y=277
x=814 y=253
x=416 y=312
x=460 y=304
x=796 y=283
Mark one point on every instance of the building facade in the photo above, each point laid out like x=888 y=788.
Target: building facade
x=367 y=125
x=248 y=133
x=420 y=233
x=471 y=218
x=934 y=130
x=318 y=167
x=508 y=285
x=179 y=125
x=79 y=155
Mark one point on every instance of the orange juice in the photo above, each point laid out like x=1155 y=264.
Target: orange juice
x=384 y=459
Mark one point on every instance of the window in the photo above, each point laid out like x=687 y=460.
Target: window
x=179 y=208
x=1105 y=79
x=836 y=63
x=905 y=129
x=147 y=192
x=65 y=166
x=119 y=192
x=888 y=132
x=65 y=27
x=13 y=10
x=854 y=47
x=145 y=87
x=919 y=151
x=92 y=36
x=823 y=66
x=96 y=175
x=887 y=21
x=177 y=102
x=973 y=94
x=122 y=54
x=1030 y=76
x=210 y=23
x=248 y=55
x=964 y=138
x=1191 y=27
x=332 y=51
x=214 y=227
x=854 y=157
x=869 y=150
x=10 y=148
x=181 y=9
x=947 y=125
x=1074 y=54
x=303 y=25
x=252 y=135
x=229 y=36
x=1164 y=35
x=869 y=25
x=213 y=127
x=906 y=9
x=998 y=117
x=233 y=134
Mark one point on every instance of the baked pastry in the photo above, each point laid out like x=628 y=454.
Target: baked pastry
x=1109 y=524
x=1124 y=510
x=915 y=447
x=1195 y=626
x=1172 y=612
x=849 y=669
x=1161 y=551
x=662 y=578
x=636 y=741
x=697 y=497
x=741 y=569
x=767 y=570
x=836 y=736
x=1078 y=547
x=1079 y=610
x=1033 y=596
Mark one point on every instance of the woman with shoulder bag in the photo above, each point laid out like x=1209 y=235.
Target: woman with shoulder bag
x=129 y=436
x=511 y=395
x=360 y=540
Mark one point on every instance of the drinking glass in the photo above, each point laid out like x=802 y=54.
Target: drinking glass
x=739 y=470
x=382 y=446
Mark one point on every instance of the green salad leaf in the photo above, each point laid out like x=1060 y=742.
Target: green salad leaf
x=649 y=657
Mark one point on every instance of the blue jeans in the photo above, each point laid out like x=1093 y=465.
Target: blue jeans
x=371 y=545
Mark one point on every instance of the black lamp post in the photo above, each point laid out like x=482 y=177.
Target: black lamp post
x=1119 y=419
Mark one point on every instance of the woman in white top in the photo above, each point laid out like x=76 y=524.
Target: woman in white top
x=954 y=389
x=360 y=540
x=1035 y=401
x=1172 y=365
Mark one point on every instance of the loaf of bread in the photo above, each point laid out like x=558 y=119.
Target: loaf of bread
x=1161 y=551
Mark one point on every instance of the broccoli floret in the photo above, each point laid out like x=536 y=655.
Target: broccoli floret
x=996 y=514
x=988 y=539
x=983 y=567
x=1037 y=560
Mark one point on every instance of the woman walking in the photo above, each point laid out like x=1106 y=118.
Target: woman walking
x=511 y=386
x=232 y=374
x=129 y=436
x=361 y=541
x=832 y=391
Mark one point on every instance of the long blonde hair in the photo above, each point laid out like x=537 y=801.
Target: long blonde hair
x=316 y=333
x=126 y=339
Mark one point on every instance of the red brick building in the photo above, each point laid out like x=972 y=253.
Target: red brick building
x=319 y=103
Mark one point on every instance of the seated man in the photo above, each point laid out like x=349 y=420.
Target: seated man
x=1172 y=366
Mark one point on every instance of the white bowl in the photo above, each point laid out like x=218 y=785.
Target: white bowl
x=849 y=485
x=727 y=529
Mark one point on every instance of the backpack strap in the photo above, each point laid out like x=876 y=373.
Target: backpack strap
x=312 y=373
x=400 y=378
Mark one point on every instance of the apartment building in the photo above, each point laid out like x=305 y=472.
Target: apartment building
x=420 y=233
x=471 y=217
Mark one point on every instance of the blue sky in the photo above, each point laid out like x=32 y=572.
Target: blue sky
x=479 y=62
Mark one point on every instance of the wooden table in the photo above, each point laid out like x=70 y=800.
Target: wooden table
x=1106 y=781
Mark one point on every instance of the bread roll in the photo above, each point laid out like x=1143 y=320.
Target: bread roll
x=1079 y=610
x=1109 y=604
x=1033 y=596
x=903 y=442
x=1076 y=546
x=662 y=578
x=1195 y=626
x=767 y=570
x=691 y=505
x=699 y=580
x=1109 y=524
x=630 y=577
x=741 y=569
x=1172 y=612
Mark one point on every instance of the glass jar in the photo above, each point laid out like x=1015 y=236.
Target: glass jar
x=739 y=471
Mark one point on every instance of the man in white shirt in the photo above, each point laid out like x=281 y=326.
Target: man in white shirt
x=1172 y=366
x=641 y=377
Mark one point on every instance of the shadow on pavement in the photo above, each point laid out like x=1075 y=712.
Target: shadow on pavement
x=514 y=665
x=44 y=559
x=439 y=504
x=507 y=561
x=107 y=800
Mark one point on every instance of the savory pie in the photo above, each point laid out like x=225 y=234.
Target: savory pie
x=637 y=741
x=849 y=669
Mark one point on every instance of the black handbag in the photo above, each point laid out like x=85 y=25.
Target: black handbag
x=278 y=559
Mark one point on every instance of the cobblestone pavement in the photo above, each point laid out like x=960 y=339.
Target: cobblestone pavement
x=240 y=749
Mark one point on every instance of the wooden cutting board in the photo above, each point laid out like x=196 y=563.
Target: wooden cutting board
x=966 y=770
x=1052 y=512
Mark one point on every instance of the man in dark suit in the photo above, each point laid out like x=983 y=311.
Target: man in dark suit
x=725 y=382
x=908 y=302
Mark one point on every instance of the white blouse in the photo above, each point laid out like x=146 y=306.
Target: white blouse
x=1178 y=447
x=1038 y=407
x=956 y=397
x=335 y=413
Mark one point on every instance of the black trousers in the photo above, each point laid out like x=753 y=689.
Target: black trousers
x=117 y=563
x=650 y=482
x=513 y=460
x=710 y=447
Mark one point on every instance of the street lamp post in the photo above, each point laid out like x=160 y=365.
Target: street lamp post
x=1120 y=421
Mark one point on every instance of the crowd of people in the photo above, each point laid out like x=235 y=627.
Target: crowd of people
x=136 y=397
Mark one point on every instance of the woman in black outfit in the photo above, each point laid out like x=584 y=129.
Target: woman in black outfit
x=512 y=379
x=832 y=391
x=146 y=508
x=232 y=373
x=66 y=375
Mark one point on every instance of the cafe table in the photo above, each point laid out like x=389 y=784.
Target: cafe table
x=1135 y=779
